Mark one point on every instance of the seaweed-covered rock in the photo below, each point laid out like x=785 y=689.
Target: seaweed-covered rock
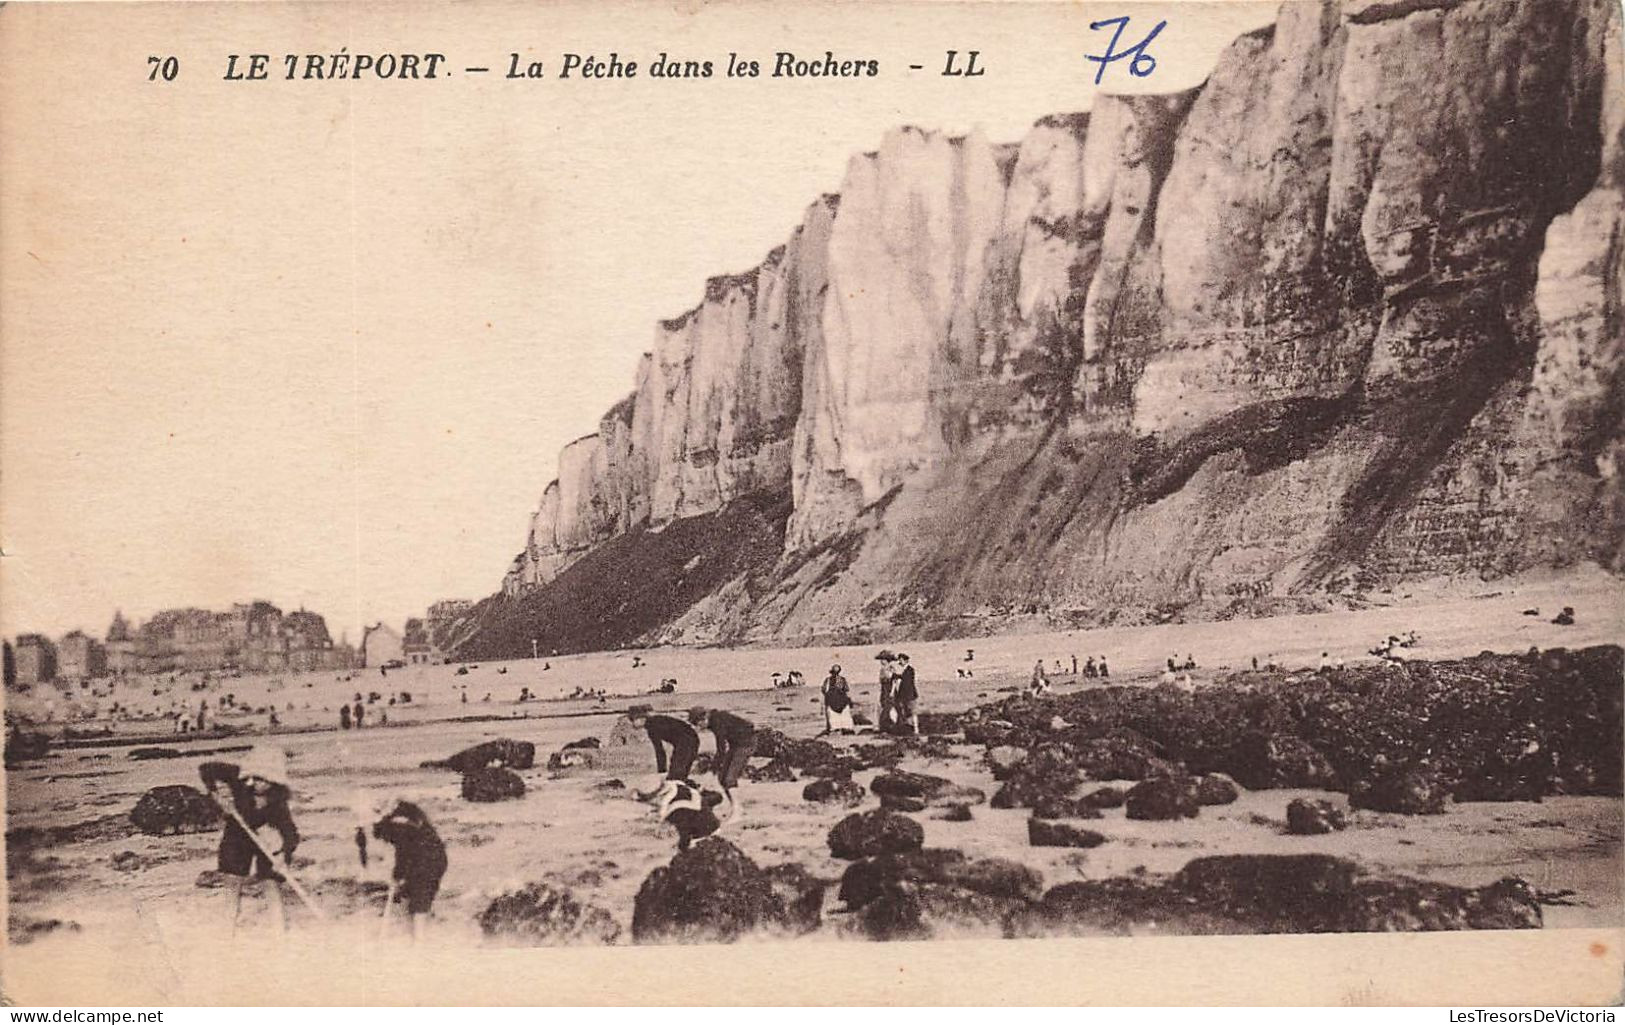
x=541 y=915
x=499 y=754
x=1163 y=798
x=908 y=784
x=955 y=813
x=934 y=724
x=146 y=754
x=1311 y=817
x=1411 y=905
x=1003 y=759
x=800 y=894
x=573 y=758
x=1408 y=791
x=901 y=802
x=1261 y=762
x=834 y=791
x=1051 y=807
x=865 y=834
x=693 y=824
x=1120 y=758
x=776 y=771
x=24 y=746
x=711 y=892
x=1044 y=833
x=1216 y=788
x=487 y=785
x=1105 y=797
x=175 y=809
x=870 y=878
x=917 y=911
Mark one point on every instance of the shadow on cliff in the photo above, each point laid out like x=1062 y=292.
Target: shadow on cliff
x=633 y=583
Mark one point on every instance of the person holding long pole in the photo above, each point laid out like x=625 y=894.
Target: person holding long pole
x=258 y=791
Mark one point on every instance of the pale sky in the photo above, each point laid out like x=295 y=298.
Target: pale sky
x=321 y=342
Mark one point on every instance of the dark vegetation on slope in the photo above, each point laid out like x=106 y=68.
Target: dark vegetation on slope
x=633 y=583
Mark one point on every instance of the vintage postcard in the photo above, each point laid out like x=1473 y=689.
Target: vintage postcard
x=888 y=503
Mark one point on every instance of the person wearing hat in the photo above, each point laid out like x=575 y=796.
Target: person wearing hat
x=420 y=854
x=666 y=731
x=887 y=720
x=736 y=741
x=906 y=697
x=837 y=702
x=259 y=793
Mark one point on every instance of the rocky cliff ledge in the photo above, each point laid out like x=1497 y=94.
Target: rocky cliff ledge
x=1347 y=314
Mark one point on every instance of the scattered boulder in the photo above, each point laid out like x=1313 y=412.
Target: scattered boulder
x=609 y=784
x=175 y=809
x=1051 y=807
x=501 y=754
x=1216 y=788
x=776 y=771
x=541 y=915
x=1161 y=799
x=143 y=754
x=1044 y=833
x=834 y=791
x=1311 y=817
x=901 y=802
x=866 y=834
x=1105 y=797
x=573 y=758
x=908 y=784
x=592 y=743
x=1120 y=758
x=711 y=893
x=694 y=823
x=1406 y=791
x=938 y=723
x=24 y=746
x=1003 y=760
x=955 y=813
x=486 y=785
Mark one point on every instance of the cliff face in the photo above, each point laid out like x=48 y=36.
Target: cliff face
x=1349 y=313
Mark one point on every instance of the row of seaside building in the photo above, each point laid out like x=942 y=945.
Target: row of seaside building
x=250 y=637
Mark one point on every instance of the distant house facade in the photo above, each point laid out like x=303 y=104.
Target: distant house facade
x=381 y=644
x=80 y=657
x=35 y=659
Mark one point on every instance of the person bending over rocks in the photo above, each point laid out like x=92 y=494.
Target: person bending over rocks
x=736 y=741
x=420 y=854
x=258 y=792
x=683 y=740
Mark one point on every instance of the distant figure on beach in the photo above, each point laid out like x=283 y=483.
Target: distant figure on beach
x=1325 y=661
x=358 y=714
x=258 y=796
x=837 y=702
x=1089 y=670
x=1074 y=665
x=1105 y=671
x=1039 y=684
x=1255 y=663
x=202 y=715
x=420 y=854
x=736 y=741
x=905 y=697
x=888 y=713
x=1168 y=675
x=1566 y=617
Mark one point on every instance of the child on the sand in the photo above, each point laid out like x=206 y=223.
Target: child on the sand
x=736 y=740
x=259 y=794
x=420 y=855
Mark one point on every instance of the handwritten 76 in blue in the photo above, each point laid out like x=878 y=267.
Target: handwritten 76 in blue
x=1141 y=65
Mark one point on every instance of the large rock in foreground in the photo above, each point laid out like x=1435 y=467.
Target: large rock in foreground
x=710 y=893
